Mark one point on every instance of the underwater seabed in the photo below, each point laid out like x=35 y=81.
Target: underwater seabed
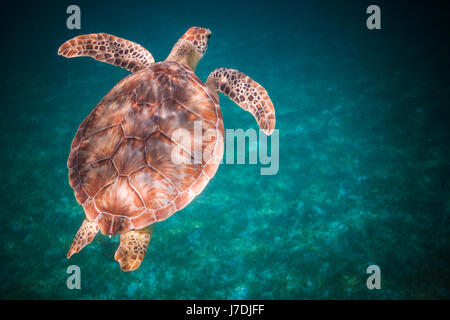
x=363 y=173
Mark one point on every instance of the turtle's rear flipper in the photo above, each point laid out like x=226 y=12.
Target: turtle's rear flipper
x=132 y=249
x=108 y=48
x=84 y=236
x=246 y=93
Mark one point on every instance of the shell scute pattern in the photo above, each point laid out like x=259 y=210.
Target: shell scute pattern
x=121 y=165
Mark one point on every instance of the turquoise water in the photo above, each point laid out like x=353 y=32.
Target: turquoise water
x=364 y=171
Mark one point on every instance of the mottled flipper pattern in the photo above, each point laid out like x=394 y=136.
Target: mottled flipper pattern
x=84 y=236
x=109 y=49
x=245 y=92
x=132 y=249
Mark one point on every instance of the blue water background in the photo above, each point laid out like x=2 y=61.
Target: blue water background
x=364 y=169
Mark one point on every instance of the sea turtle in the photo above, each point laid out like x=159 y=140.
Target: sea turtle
x=132 y=162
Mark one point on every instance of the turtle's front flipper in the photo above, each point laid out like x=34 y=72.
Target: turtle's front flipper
x=108 y=48
x=247 y=93
x=84 y=236
x=132 y=249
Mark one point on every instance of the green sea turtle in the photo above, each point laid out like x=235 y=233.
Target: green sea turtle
x=122 y=161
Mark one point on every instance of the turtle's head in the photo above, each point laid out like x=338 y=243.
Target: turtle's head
x=191 y=47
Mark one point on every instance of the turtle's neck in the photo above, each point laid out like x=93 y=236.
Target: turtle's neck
x=184 y=54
